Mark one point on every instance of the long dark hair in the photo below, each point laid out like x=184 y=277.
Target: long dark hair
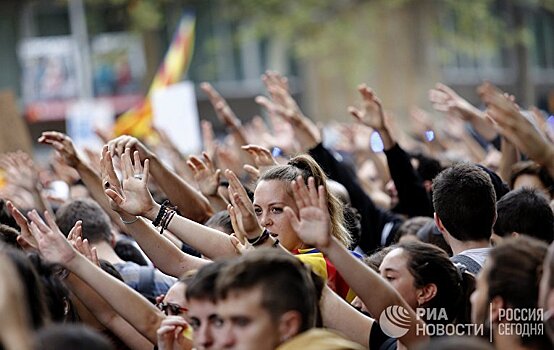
x=430 y=264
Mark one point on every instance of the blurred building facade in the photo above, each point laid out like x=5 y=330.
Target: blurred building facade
x=405 y=60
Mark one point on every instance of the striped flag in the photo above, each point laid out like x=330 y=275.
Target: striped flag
x=138 y=120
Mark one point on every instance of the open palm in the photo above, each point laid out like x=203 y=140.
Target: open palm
x=312 y=225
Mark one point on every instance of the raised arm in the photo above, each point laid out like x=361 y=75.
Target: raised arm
x=132 y=198
x=23 y=174
x=136 y=310
x=412 y=196
x=207 y=179
x=127 y=196
x=446 y=100
x=192 y=204
x=313 y=226
x=100 y=309
x=516 y=128
x=71 y=157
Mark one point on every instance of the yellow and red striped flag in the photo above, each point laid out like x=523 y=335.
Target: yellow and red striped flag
x=138 y=120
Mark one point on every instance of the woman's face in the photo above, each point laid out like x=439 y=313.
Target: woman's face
x=394 y=269
x=270 y=198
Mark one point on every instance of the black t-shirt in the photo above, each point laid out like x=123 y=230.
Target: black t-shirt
x=379 y=340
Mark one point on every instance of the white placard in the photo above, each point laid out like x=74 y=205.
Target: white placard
x=176 y=113
x=85 y=115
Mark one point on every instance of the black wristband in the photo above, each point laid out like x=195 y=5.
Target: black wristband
x=160 y=215
x=260 y=239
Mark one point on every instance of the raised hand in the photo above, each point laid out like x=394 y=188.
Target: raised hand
x=52 y=244
x=25 y=238
x=515 y=127
x=262 y=156
x=312 y=224
x=208 y=137
x=282 y=104
x=245 y=216
x=272 y=78
x=421 y=121
x=206 y=175
x=20 y=170
x=446 y=100
x=170 y=334
x=75 y=237
x=118 y=146
x=63 y=144
x=371 y=114
x=221 y=107
x=131 y=196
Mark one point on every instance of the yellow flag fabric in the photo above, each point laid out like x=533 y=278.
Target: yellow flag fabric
x=138 y=120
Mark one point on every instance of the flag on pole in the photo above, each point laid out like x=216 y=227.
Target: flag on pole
x=138 y=120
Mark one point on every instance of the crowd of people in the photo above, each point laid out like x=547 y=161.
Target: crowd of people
x=285 y=234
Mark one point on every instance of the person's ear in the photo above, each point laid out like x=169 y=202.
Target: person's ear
x=426 y=293
x=497 y=303
x=438 y=222
x=441 y=227
x=289 y=325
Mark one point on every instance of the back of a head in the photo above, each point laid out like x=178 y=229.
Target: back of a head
x=525 y=211
x=456 y=343
x=203 y=284
x=71 y=336
x=220 y=221
x=514 y=272
x=125 y=249
x=411 y=226
x=533 y=169
x=96 y=223
x=429 y=264
x=428 y=168
x=285 y=283
x=465 y=202
x=430 y=233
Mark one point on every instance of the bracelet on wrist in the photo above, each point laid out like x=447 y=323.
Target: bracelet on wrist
x=166 y=213
x=132 y=221
x=260 y=239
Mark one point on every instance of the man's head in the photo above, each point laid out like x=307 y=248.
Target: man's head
x=525 y=211
x=530 y=174
x=509 y=284
x=464 y=202
x=265 y=298
x=202 y=313
x=96 y=223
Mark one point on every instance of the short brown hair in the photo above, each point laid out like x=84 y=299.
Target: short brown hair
x=465 y=202
x=286 y=283
x=514 y=275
